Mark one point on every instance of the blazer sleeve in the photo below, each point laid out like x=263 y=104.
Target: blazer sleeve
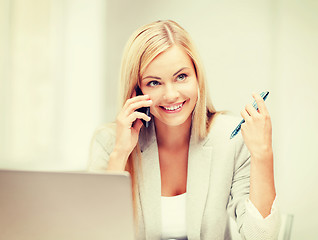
x=249 y=226
x=102 y=144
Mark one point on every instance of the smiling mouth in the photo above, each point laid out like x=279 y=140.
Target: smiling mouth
x=173 y=108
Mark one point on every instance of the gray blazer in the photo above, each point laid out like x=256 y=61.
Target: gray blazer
x=217 y=184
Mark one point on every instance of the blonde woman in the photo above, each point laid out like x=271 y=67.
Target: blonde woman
x=188 y=175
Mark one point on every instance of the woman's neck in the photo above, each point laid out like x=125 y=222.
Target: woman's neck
x=173 y=137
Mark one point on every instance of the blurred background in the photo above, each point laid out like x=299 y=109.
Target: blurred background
x=59 y=71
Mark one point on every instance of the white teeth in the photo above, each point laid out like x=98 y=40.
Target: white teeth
x=173 y=108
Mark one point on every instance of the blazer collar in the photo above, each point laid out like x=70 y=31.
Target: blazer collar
x=199 y=163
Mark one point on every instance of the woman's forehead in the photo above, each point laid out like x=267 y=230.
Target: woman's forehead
x=172 y=59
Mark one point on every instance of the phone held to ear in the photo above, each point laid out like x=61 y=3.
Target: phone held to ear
x=145 y=110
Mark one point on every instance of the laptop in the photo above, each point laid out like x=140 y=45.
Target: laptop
x=64 y=206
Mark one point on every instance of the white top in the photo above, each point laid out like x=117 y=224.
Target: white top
x=173 y=214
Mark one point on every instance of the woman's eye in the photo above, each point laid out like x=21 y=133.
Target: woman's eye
x=153 y=83
x=181 y=77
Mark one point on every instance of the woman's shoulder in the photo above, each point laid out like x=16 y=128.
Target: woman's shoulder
x=221 y=128
x=220 y=134
x=105 y=135
x=102 y=144
x=105 y=130
x=224 y=123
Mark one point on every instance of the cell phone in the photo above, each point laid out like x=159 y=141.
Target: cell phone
x=145 y=110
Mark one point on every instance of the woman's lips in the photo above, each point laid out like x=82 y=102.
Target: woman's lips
x=173 y=108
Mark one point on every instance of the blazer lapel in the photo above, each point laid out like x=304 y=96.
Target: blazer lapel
x=199 y=164
x=150 y=186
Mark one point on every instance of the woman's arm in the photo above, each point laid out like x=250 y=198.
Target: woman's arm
x=257 y=135
x=262 y=186
x=117 y=161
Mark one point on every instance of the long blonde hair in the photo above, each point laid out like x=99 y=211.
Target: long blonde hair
x=145 y=44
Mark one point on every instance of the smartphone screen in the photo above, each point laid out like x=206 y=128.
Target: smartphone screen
x=145 y=110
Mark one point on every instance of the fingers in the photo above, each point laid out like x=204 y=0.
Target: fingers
x=137 y=125
x=250 y=111
x=134 y=106
x=137 y=115
x=245 y=115
x=260 y=103
x=134 y=103
x=128 y=115
x=137 y=98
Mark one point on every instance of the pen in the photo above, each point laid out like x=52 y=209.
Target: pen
x=238 y=128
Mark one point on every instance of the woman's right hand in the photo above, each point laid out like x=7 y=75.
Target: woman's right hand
x=128 y=123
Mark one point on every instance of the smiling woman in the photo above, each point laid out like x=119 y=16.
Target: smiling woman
x=188 y=176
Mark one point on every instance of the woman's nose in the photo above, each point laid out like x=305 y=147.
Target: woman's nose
x=170 y=94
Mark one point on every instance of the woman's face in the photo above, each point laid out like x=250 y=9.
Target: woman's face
x=171 y=83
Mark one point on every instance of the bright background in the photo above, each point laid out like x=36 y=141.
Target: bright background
x=59 y=65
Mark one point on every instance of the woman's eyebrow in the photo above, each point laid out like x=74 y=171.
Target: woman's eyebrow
x=158 y=78
x=181 y=69
x=152 y=77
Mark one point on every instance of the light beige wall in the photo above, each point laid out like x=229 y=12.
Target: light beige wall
x=84 y=78
x=296 y=82
x=4 y=73
x=32 y=88
x=53 y=81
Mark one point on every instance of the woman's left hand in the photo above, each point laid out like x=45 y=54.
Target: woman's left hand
x=257 y=129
